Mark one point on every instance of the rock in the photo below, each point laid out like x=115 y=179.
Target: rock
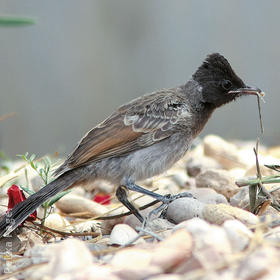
x=70 y=256
x=219 y=213
x=196 y=165
x=222 y=151
x=211 y=245
x=208 y=196
x=134 y=263
x=162 y=227
x=40 y=253
x=219 y=180
x=273 y=235
x=172 y=251
x=241 y=199
x=107 y=225
x=195 y=226
x=166 y=277
x=155 y=259
x=180 y=178
x=55 y=221
x=78 y=191
x=72 y=203
x=123 y=234
x=184 y=209
x=261 y=262
x=237 y=173
x=264 y=171
x=65 y=260
x=238 y=234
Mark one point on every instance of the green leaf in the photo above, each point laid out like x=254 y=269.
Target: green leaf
x=15 y=21
x=27 y=190
x=57 y=197
x=32 y=157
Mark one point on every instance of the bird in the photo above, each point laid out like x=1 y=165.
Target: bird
x=142 y=138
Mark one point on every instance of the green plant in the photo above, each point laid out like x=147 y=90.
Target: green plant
x=44 y=173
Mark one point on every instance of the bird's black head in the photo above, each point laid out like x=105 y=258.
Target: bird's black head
x=219 y=83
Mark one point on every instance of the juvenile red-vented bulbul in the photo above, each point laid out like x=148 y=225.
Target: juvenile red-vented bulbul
x=143 y=137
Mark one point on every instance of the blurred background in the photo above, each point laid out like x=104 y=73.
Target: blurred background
x=82 y=59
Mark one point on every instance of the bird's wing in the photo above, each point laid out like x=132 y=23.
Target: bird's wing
x=136 y=125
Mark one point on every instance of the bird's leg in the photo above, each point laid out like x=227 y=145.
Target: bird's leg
x=121 y=194
x=165 y=199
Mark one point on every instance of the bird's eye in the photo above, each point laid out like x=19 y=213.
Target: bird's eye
x=226 y=84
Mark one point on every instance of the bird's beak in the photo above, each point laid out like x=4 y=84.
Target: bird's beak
x=248 y=91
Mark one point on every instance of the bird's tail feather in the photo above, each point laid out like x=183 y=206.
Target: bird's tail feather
x=22 y=210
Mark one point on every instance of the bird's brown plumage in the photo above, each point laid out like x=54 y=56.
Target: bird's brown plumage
x=130 y=128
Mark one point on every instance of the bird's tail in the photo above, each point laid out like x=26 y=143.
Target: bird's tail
x=21 y=211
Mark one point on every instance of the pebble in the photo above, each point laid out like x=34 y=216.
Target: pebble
x=123 y=234
x=184 y=209
x=195 y=226
x=241 y=199
x=72 y=203
x=55 y=221
x=173 y=250
x=134 y=263
x=180 y=178
x=208 y=196
x=211 y=245
x=219 y=213
x=196 y=165
x=70 y=256
x=238 y=234
x=224 y=152
x=261 y=262
x=219 y=180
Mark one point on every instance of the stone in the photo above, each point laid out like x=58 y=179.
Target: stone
x=207 y=196
x=122 y=234
x=222 y=151
x=196 y=165
x=55 y=221
x=241 y=199
x=70 y=256
x=219 y=180
x=219 y=213
x=183 y=209
x=261 y=262
x=172 y=251
x=72 y=203
x=238 y=234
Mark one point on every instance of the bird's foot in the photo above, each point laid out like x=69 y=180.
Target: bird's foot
x=167 y=199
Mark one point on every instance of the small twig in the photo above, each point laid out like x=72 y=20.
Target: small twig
x=260 y=114
x=63 y=233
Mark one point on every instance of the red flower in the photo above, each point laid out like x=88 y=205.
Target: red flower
x=16 y=196
x=103 y=199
